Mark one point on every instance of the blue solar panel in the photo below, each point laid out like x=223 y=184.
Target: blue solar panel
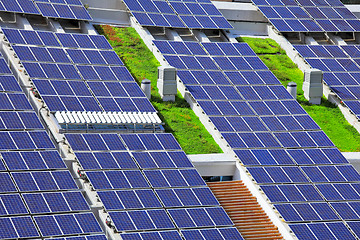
x=324 y=174
x=63 y=10
x=181 y=218
x=12 y=205
x=8 y=185
x=224 y=63
x=117 y=179
x=131 y=200
x=83 y=41
x=159 y=20
x=113 y=160
x=152 y=235
x=212 y=48
x=174 y=178
x=18 y=227
x=195 y=48
x=42 y=181
x=26 y=6
x=142 y=220
x=67 y=224
x=57 y=202
x=143 y=19
x=329 y=18
x=164 y=47
x=336 y=230
x=32 y=160
x=288 y=193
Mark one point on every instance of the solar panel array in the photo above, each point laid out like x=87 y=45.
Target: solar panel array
x=38 y=196
x=66 y=9
x=282 y=148
x=341 y=67
x=149 y=187
x=308 y=15
x=77 y=72
x=196 y=14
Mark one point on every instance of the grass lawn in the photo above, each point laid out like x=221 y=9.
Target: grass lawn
x=179 y=118
x=326 y=115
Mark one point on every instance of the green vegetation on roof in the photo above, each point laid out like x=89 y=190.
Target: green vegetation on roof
x=179 y=118
x=327 y=115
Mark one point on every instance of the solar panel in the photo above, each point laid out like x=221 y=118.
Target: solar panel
x=18 y=227
x=320 y=16
x=67 y=224
x=26 y=6
x=175 y=14
x=85 y=237
x=129 y=199
x=152 y=235
x=336 y=230
x=142 y=220
x=55 y=202
x=44 y=181
x=33 y=161
x=62 y=9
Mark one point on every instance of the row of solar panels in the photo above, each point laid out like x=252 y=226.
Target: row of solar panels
x=341 y=67
x=313 y=193
x=202 y=234
x=67 y=9
x=51 y=39
x=88 y=237
x=308 y=16
x=226 y=56
x=203 y=49
x=56 y=55
x=330 y=230
x=318 y=211
x=196 y=77
x=123 y=160
x=177 y=14
x=247 y=93
x=60 y=95
x=145 y=198
x=290 y=157
x=273 y=123
x=233 y=108
x=305 y=174
x=163 y=191
x=300 y=139
x=49 y=225
x=38 y=203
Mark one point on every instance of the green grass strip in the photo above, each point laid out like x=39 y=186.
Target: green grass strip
x=327 y=115
x=179 y=118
